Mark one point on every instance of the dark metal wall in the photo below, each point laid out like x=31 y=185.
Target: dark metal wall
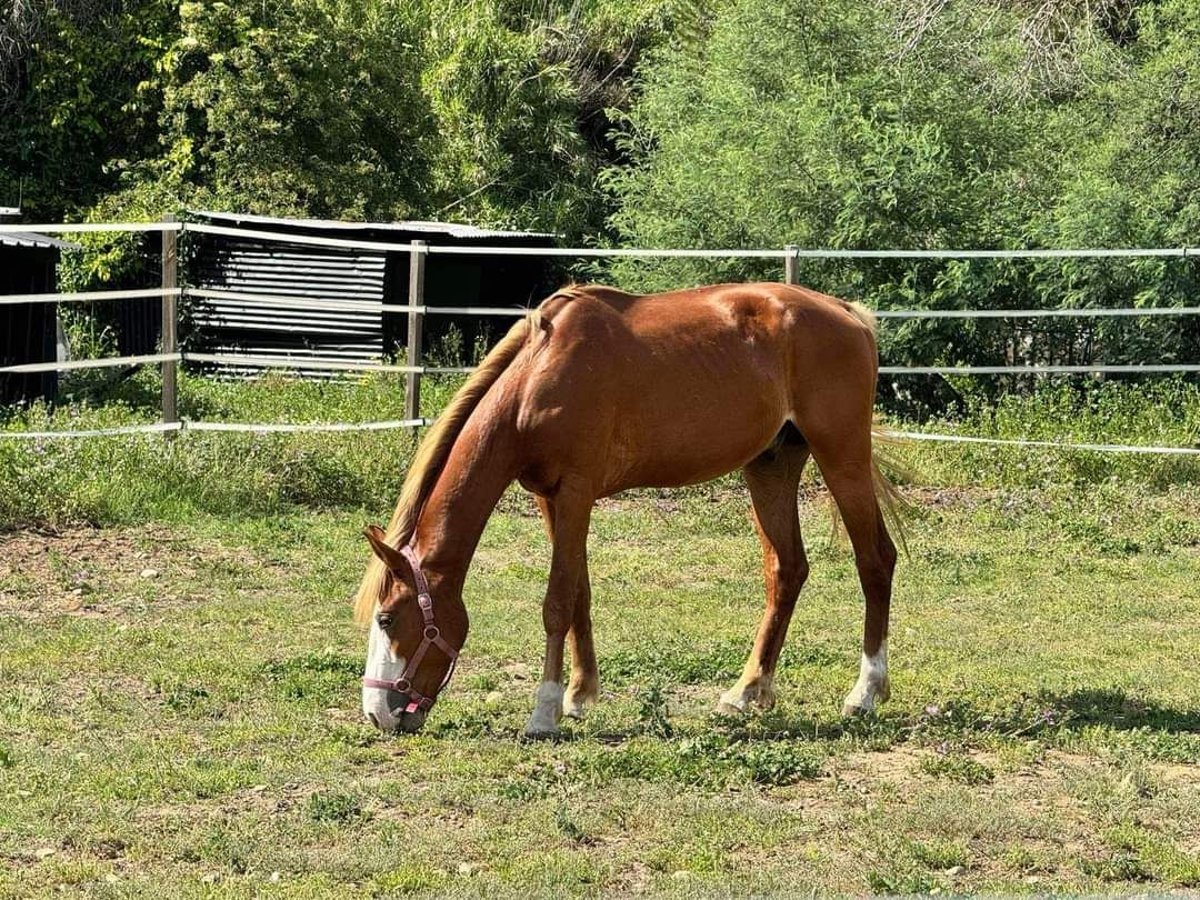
x=28 y=331
x=250 y=265
x=282 y=270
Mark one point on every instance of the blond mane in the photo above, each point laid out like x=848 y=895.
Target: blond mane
x=432 y=454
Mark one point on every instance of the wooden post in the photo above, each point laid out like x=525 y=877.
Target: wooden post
x=170 y=312
x=416 y=321
x=789 y=265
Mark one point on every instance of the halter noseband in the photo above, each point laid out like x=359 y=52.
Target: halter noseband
x=432 y=637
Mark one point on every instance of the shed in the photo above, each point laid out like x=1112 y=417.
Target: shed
x=28 y=331
x=253 y=265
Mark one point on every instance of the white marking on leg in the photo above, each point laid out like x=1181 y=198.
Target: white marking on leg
x=577 y=699
x=384 y=664
x=547 y=710
x=871 y=685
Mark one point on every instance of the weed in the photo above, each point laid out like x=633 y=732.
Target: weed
x=653 y=713
x=316 y=677
x=1157 y=855
x=567 y=826
x=777 y=763
x=956 y=766
x=939 y=854
x=900 y=884
x=340 y=809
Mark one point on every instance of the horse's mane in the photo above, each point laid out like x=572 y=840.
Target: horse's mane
x=432 y=454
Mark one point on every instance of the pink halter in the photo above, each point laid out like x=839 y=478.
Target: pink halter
x=431 y=638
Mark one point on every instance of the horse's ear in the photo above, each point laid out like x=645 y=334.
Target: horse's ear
x=389 y=555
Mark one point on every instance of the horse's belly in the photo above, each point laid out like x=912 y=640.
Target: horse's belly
x=699 y=443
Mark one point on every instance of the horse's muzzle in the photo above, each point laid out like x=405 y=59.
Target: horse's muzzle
x=401 y=723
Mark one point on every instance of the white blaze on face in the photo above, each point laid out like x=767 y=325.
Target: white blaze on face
x=385 y=665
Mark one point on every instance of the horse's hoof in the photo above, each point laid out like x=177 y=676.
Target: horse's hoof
x=577 y=702
x=575 y=710
x=731 y=705
x=854 y=711
x=538 y=734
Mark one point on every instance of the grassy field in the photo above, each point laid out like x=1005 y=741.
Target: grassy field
x=178 y=713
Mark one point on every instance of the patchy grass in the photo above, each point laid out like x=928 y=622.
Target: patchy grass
x=195 y=731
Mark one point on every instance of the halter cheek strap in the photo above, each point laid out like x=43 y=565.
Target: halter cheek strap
x=431 y=637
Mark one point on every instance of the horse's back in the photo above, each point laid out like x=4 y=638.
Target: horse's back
x=680 y=387
x=793 y=320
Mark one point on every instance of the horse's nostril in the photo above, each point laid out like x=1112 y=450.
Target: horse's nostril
x=384 y=620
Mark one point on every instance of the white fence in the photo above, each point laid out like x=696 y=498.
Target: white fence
x=170 y=293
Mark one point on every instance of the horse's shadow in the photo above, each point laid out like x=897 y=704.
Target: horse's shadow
x=1120 y=711
x=1029 y=715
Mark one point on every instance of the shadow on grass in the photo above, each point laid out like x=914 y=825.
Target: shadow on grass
x=1119 y=710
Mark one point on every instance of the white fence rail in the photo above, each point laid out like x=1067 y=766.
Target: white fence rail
x=170 y=292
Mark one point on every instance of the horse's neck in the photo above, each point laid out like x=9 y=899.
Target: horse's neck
x=482 y=463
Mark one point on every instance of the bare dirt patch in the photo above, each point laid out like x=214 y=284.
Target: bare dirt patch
x=104 y=572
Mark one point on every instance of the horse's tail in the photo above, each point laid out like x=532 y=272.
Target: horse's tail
x=433 y=452
x=863 y=314
x=896 y=510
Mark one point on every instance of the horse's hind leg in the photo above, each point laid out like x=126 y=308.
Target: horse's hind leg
x=773 y=479
x=584 y=686
x=845 y=463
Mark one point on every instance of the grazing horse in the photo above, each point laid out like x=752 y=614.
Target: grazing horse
x=598 y=391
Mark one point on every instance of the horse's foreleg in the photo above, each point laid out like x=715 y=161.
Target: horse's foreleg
x=773 y=479
x=572 y=508
x=584 y=687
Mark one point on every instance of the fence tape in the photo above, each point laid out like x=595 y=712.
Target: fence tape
x=262 y=428
x=1054 y=445
x=306 y=240
x=339 y=365
x=81 y=227
x=157 y=427
x=601 y=252
x=1096 y=253
x=318 y=427
x=1038 y=370
x=89 y=296
x=350 y=305
x=1034 y=313
x=107 y=362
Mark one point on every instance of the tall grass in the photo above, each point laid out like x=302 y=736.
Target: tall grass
x=1163 y=413
x=135 y=478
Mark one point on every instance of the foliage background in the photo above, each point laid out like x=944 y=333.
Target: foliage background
x=683 y=123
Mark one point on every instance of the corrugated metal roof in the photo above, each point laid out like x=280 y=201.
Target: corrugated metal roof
x=450 y=229
x=41 y=241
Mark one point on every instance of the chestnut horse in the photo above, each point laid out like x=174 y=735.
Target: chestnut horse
x=598 y=391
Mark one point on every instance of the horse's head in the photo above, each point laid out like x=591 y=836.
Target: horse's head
x=414 y=642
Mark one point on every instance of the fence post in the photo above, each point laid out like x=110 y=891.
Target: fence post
x=170 y=283
x=416 y=322
x=789 y=265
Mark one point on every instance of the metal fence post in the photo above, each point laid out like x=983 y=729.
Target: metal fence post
x=170 y=312
x=789 y=265
x=416 y=321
